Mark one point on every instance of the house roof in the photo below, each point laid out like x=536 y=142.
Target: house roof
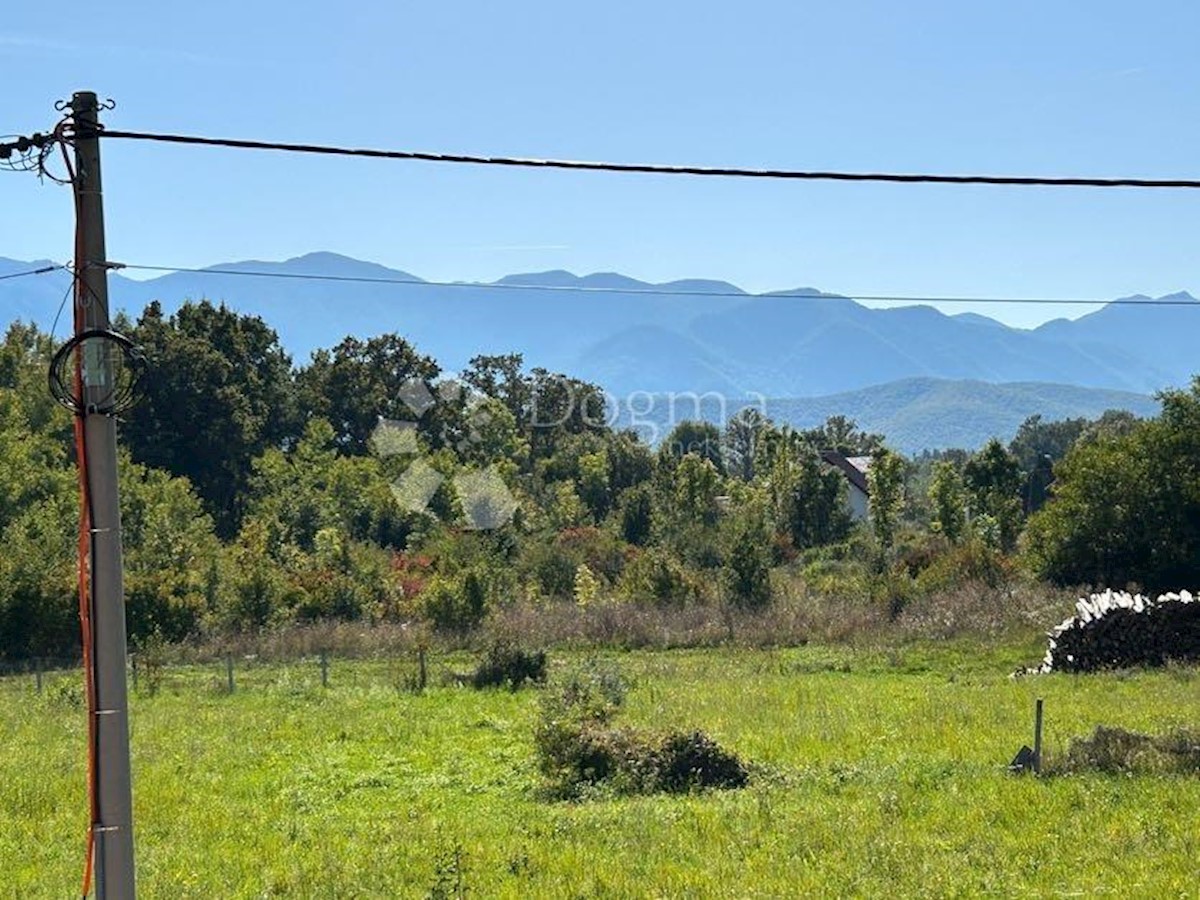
x=853 y=467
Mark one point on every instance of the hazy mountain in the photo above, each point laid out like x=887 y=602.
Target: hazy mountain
x=926 y=413
x=689 y=335
x=914 y=413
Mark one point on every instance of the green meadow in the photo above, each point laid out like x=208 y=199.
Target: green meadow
x=876 y=773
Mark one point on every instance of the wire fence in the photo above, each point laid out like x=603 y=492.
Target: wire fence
x=410 y=670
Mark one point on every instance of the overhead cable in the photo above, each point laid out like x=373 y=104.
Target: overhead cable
x=655 y=291
x=653 y=168
x=42 y=271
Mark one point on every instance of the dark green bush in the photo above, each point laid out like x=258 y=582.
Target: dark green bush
x=506 y=663
x=694 y=760
x=457 y=605
x=1117 y=751
x=579 y=749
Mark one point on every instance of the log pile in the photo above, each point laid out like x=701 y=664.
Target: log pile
x=1116 y=629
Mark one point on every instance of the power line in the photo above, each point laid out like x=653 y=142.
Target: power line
x=652 y=291
x=653 y=168
x=42 y=271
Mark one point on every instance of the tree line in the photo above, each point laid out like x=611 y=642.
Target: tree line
x=257 y=493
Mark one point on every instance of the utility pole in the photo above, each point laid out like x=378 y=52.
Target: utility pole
x=113 y=830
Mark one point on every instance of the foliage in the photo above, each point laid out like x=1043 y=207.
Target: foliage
x=1119 y=751
x=695 y=485
x=890 y=754
x=579 y=749
x=39 y=606
x=746 y=574
x=257 y=497
x=743 y=431
x=693 y=438
x=587 y=586
x=172 y=556
x=220 y=394
x=637 y=515
x=1036 y=447
x=1126 y=508
x=310 y=487
x=992 y=478
x=843 y=435
x=358 y=382
x=505 y=663
x=457 y=604
x=948 y=497
x=885 y=479
x=654 y=576
x=808 y=499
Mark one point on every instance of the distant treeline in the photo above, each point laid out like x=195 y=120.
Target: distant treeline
x=368 y=485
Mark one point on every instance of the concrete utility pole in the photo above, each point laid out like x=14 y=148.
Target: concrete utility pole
x=113 y=830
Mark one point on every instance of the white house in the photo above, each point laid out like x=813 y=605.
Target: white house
x=854 y=469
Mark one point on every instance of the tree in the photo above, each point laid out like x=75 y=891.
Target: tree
x=171 y=555
x=219 y=393
x=502 y=378
x=1036 y=447
x=695 y=487
x=844 y=436
x=359 y=382
x=949 y=500
x=594 y=487
x=299 y=492
x=1126 y=506
x=24 y=357
x=693 y=438
x=742 y=433
x=630 y=462
x=885 y=479
x=746 y=569
x=808 y=499
x=637 y=515
x=993 y=481
x=559 y=407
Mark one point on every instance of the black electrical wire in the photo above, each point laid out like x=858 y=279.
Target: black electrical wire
x=653 y=291
x=651 y=168
x=42 y=271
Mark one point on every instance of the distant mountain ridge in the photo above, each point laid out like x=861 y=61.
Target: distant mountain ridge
x=914 y=414
x=687 y=335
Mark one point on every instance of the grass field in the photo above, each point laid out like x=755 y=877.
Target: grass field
x=879 y=773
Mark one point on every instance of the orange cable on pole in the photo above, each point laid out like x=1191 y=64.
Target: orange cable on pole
x=84 y=550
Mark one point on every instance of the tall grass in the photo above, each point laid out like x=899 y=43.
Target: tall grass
x=877 y=771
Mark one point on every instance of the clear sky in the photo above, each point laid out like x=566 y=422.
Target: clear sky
x=1055 y=88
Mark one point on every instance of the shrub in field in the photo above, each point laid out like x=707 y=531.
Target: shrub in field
x=574 y=709
x=1117 y=629
x=654 y=576
x=458 y=604
x=684 y=761
x=506 y=663
x=579 y=748
x=1117 y=751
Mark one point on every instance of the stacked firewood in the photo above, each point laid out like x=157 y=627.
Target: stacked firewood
x=1116 y=629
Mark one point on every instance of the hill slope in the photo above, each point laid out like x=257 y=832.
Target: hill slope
x=689 y=335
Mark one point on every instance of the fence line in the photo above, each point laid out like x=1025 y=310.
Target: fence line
x=148 y=673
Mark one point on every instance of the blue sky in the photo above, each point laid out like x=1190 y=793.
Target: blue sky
x=1093 y=88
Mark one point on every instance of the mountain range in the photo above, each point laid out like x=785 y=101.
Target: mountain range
x=691 y=335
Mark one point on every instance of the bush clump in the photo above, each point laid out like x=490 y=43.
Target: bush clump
x=1117 y=629
x=1117 y=751
x=507 y=663
x=579 y=748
